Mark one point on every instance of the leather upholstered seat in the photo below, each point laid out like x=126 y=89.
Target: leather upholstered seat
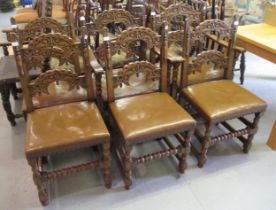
x=141 y=117
x=64 y=126
x=25 y=17
x=224 y=99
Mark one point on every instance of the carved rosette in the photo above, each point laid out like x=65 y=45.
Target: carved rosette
x=148 y=69
x=41 y=83
x=212 y=56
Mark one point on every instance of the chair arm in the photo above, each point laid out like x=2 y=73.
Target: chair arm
x=9 y=34
x=96 y=67
x=224 y=43
x=5 y=46
x=170 y=57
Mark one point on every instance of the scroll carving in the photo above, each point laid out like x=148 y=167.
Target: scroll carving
x=42 y=82
x=212 y=56
x=39 y=26
x=59 y=46
x=148 y=69
x=115 y=15
x=175 y=37
x=180 y=9
x=101 y=52
x=135 y=35
x=209 y=26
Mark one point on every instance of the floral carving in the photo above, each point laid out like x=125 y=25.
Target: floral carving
x=212 y=56
x=41 y=83
x=112 y=16
x=175 y=37
x=131 y=38
x=211 y=26
x=148 y=69
x=39 y=26
x=180 y=9
x=59 y=46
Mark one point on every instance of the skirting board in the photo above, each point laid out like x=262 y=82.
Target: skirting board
x=272 y=139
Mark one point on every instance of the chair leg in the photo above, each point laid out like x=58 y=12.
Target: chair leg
x=185 y=151
x=127 y=167
x=242 y=67
x=106 y=165
x=5 y=90
x=14 y=91
x=204 y=146
x=42 y=192
x=247 y=144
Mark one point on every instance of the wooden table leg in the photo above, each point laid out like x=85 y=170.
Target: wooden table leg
x=5 y=95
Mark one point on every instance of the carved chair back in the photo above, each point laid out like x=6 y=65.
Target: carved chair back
x=177 y=12
x=113 y=21
x=136 y=72
x=41 y=26
x=140 y=10
x=135 y=43
x=200 y=60
x=42 y=84
x=55 y=46
x=213 y=27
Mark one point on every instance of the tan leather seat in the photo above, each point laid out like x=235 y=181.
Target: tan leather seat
x=223 y=100
x=25 y=17
x=58 y=12
x=141 y=118
x=64 y=127
x=26 y=10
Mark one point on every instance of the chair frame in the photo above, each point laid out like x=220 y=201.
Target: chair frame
x=38 y=86
x=123 y=148
x=218 y=58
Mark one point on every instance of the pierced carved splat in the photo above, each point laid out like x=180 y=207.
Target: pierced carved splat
x=39 y=26
x=212 y=56
x=181 y=9
x=101 y=52
x=114 y=16
x=140 y=67
x=58 y=46
x=41 y=83
x=211 y=26
x=128 y=39
x=175 y=37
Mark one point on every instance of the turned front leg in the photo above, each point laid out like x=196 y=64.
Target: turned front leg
x=106 y=165
x=204 y=146
x=127 y=167
x=39 y=182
